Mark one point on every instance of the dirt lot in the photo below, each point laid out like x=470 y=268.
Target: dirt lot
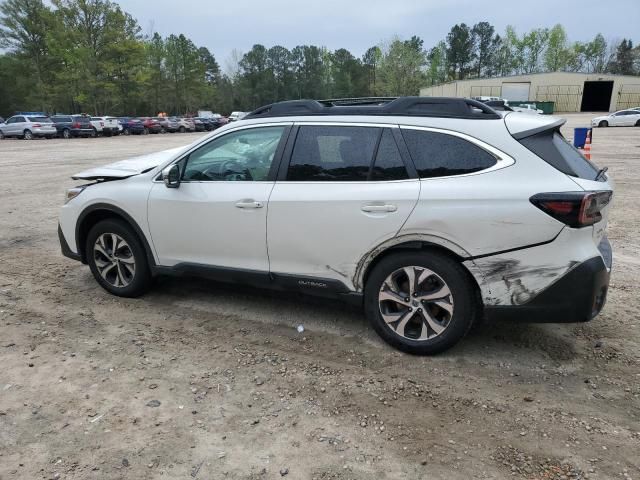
x=200 y=380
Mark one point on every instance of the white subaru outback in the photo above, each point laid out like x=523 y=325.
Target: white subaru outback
x=430 y=212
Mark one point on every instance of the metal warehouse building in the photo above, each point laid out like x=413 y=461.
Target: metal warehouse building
x=571 y=92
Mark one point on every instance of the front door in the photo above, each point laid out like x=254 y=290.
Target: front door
x=217 y=216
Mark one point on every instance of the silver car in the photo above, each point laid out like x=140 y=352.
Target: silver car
x=28 y=127
x=623 y=118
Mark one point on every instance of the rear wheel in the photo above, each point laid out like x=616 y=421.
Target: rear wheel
x=638 y=123
x=182 y=129
x=145 y=131
x=66 y=133
x=94 y=133
x=603 y=123
x=163 y=130
x=126 y=131
x=117 y=259
x=27 y=135
x=420 y=303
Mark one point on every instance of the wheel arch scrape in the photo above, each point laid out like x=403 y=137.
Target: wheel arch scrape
x=409 y=241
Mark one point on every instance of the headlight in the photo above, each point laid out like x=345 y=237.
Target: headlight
x=74 y=192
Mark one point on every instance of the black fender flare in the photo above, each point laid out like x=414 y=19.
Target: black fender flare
x=117 y=212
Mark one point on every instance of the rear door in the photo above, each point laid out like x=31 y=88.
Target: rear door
x=341 y=191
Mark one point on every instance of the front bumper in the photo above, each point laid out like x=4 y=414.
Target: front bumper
x=578 y=296
x=64 y=246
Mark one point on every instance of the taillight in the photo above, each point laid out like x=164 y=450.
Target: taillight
x=576 y=209
x=76 y=125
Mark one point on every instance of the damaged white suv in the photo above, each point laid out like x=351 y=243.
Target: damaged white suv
x=430 y=212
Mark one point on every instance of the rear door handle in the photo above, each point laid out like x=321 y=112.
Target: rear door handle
x=379 y=208
x=250 y=203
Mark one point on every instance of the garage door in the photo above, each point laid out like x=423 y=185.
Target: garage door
x=516 y=92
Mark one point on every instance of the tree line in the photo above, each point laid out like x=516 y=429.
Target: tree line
x=91 y=56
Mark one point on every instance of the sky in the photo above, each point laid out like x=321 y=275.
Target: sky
x=225 y=25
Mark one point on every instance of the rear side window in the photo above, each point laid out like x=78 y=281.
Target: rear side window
x=61 y=119
x=40 y=119
x=441 y=155
x=552 y=147
x=388 y=164
x=333 y=153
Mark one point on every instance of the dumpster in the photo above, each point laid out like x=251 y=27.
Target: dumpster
x=546 y=107
x=580 y=137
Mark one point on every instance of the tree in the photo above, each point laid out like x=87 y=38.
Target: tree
x=437 y=60
x=348 y=74
x=485 y=44
x=460 y=50
x=624 y=58
x=595 y=53
x=401 y=70
x=155 y=56
x=534 y=44
x=556 y=55
x=371 y=61
x=23 y=30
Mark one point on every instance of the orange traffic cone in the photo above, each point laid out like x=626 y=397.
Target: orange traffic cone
x=587 y=146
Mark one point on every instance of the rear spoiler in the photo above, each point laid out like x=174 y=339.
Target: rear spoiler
x=522 y=126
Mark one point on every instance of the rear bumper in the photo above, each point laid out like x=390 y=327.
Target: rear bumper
x=578 y=296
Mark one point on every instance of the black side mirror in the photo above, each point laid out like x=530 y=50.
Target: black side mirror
x=171 y=176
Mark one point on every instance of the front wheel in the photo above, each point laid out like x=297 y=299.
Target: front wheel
x=420 y=303
x=2 y=137
x=126 y=131
x=603 y=123
x=145 y=131
x=182 y=129
x=117 y=259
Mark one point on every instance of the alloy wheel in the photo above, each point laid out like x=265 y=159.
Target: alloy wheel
x=415 y=303
x=114 y=259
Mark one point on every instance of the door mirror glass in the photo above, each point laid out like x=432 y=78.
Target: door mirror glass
x=171 y=176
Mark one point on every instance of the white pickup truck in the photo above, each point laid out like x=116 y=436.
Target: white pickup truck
x=107 y=126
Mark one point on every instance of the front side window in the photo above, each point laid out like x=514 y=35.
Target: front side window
x=333 y=153
x=441 y=155
x=18 y=120
x=244 y=155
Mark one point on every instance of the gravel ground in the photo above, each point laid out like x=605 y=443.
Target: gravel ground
x=201 y=380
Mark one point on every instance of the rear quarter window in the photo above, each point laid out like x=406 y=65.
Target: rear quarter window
x=554 y=149
x=441 y=155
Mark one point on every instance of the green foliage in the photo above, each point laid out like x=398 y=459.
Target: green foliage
x=89 y=56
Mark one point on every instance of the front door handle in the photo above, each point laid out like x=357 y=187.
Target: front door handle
x=249 y=203
x=379 y=208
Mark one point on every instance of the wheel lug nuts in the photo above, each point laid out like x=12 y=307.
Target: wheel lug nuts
x=407 y=299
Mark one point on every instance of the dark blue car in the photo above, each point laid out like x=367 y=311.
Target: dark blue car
x=131 y=126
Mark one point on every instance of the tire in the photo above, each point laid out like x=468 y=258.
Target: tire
x=2 y=137
x=638 y=123
x=163 y=130
x=145 y=131
x=182 y=129
x=66 y=133
x=126 y=131
x=129 y=255
x=419 y=336
x=27 y=135
x=94 y=133
x=603 y=123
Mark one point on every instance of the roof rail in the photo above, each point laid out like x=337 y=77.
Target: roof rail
x=445 y=107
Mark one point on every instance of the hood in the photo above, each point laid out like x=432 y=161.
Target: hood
x=130 y=167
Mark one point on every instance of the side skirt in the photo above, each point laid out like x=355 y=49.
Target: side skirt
x=314 y=286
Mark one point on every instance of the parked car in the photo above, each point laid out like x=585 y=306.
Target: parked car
x=184 y=124
x=623 y=118
x=434 y=222
x=107 y=126
x=527 y=108
x=68 y=126
x=131 y=126
x=237 y=116
x=199 y=124
x=150 y=125
x=27 y=127
x=167 y=124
